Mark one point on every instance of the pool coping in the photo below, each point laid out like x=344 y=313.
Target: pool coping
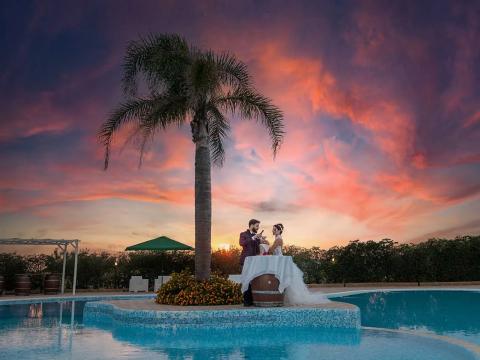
x=63 y=298
x=363 y=291
x=128 y=296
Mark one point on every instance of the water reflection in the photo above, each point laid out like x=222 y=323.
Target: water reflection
x=442 y=312
x=52 y=325
x=35 y=311
x=237 y=337
x=64 y=312
x=212 y=343
x=57 y=331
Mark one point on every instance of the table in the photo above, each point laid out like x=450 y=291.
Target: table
x=282 y=267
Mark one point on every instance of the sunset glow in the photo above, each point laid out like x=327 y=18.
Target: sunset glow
x=381 y=104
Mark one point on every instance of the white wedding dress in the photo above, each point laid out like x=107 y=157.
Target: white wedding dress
x=298 y=293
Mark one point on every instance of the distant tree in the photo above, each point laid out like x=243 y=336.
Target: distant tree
x=370 y=261
x=226 y=261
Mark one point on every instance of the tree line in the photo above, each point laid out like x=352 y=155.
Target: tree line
x=370 y=261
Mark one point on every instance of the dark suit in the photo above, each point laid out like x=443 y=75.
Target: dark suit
x=250 y=247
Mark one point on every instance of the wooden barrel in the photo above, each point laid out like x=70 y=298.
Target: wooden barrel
x=22 y=284
x=2 y=284
x=51 y=284
x=265 y=291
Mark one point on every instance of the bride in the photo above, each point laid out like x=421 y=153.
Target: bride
x=297 y=293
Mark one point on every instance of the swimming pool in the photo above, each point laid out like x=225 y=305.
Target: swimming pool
x=58 y=330
x=451 y=313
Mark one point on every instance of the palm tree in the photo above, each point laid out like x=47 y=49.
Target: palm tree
x=184 y=84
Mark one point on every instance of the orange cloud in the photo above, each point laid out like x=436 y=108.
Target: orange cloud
x=295 y=78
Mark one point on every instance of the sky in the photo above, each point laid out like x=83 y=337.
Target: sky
x=381 y=102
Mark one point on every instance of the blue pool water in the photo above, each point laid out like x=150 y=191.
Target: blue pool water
x=450 y=313
x=58 y=331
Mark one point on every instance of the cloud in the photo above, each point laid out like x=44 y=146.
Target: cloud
x=466 y=228
x=380 y=103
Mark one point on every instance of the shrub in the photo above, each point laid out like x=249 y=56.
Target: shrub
x=183 y=289
x=226 y=261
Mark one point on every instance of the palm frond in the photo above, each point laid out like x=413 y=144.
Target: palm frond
x=160 y=58
x=230 y=70
x=202 y=79
x=218 y=129
x=167 y=110
x=146 y=137
x=184 y=82
x=252 y=105
x=126 y=112
x=149 y=115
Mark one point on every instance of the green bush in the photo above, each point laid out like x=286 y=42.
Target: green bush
x=369 y=261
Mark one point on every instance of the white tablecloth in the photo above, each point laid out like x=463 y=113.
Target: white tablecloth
x=281 y=266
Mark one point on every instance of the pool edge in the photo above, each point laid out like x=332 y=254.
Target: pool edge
x=345 y=318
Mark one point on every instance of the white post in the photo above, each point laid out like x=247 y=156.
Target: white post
x=70 y=333
x=72 y=316
x=60 y=326
x=64 y=252
x=75 y=268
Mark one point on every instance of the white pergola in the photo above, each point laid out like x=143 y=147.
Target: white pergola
x=61 y=244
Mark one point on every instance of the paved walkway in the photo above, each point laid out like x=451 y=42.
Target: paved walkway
x=382 y=286
x=69 y=295
x=329 y=289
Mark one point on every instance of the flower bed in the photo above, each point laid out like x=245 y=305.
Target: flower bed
x=183 y=289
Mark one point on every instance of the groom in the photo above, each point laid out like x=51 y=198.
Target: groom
x=250 y=243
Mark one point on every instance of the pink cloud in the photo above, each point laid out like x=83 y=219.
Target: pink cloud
x=35 y=117
x=375 y=130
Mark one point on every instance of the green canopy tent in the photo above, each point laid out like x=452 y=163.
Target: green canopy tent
x=162 y=243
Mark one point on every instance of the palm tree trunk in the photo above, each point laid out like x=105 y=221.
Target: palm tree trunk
x=203 y=201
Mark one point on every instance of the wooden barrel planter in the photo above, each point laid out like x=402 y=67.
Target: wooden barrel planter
x=265 y=291
x=51 y=284
x=22 y=284
x=2 y=284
